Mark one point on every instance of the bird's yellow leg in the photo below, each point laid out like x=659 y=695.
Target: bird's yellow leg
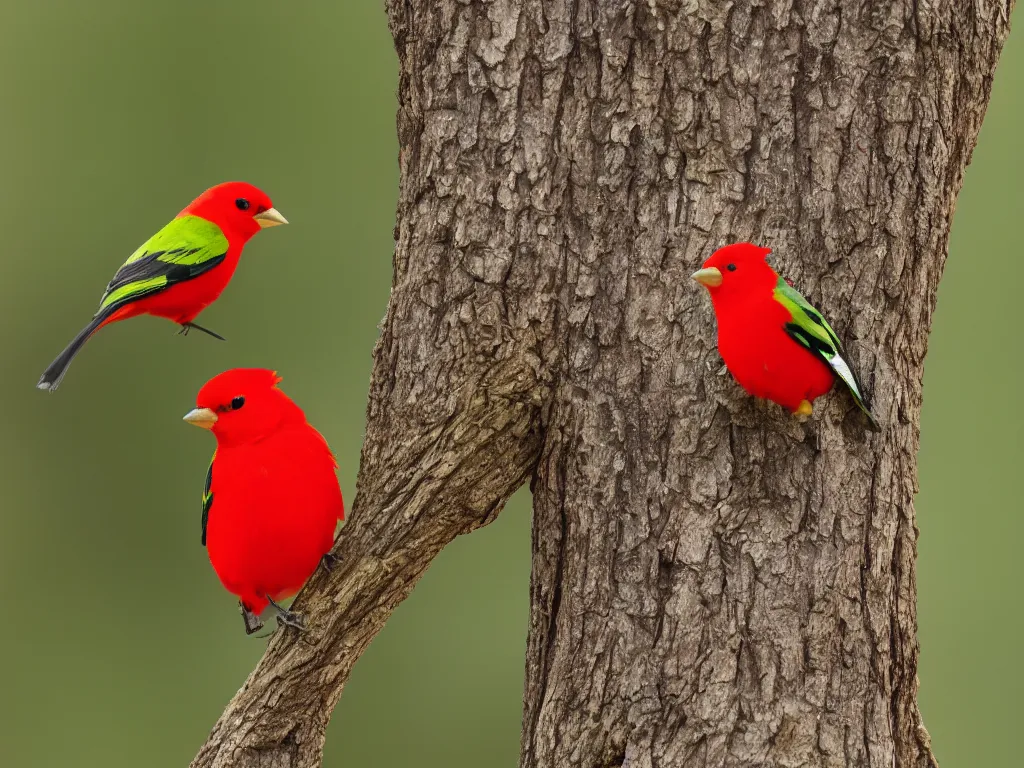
x=805 y=409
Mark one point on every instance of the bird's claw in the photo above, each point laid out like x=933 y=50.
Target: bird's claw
x=328 y=561
x=288 y=618
x=292 y=619
x=804 y=411
x=186 y=327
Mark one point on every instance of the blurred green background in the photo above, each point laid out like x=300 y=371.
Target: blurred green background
x=119 y=643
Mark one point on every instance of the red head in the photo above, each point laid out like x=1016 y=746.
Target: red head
x=737 y=270
x=239 y=209
x=243 y=405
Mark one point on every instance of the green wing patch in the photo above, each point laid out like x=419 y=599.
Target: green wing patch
x=208 y=497
x=186 y=248
x=809 y=329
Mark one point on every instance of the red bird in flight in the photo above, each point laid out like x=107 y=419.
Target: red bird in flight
x=182 y=269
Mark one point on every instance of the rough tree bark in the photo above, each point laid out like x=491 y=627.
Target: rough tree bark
x=713 y=583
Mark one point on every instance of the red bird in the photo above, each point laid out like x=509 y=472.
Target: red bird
x=774 y=343
x=182 y=269
x=272 y=499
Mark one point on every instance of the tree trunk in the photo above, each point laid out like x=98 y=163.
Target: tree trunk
x=713 y=583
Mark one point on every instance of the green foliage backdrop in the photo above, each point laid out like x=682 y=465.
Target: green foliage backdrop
x=120 y=648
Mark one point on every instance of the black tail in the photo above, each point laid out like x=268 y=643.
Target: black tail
x=51 y=377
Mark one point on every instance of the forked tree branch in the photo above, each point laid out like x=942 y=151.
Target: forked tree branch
x=712 y=583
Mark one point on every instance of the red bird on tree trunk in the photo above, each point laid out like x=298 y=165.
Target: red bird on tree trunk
x=774 y=343
x=272 y=499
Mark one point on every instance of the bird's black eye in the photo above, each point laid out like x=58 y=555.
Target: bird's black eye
x=731 y=267
x=237 y=403
x=242 y=204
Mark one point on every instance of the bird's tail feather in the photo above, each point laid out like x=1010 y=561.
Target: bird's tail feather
x=53 y=374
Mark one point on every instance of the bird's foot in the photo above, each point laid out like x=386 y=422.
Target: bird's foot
x=251 y=620
x=288 y=618
x=328 y=561
x=803 y=411
x=291 y=619
x=186 y=327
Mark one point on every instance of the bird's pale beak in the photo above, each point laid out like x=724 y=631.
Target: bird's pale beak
x=201 y=417
x=709 y=276
x=270 y=218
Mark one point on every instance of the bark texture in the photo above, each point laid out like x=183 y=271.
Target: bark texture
x=713 y=583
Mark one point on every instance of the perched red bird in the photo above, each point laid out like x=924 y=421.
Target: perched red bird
x=272 y=499
x=182 y=269
x=774 y=343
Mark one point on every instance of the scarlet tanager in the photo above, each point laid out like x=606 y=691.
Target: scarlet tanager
x=774 y=343
x=181 y=269
x=272 y=499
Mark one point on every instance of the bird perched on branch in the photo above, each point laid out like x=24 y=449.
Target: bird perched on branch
x=181 y=269
x=272 y=499
x=774 y=343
